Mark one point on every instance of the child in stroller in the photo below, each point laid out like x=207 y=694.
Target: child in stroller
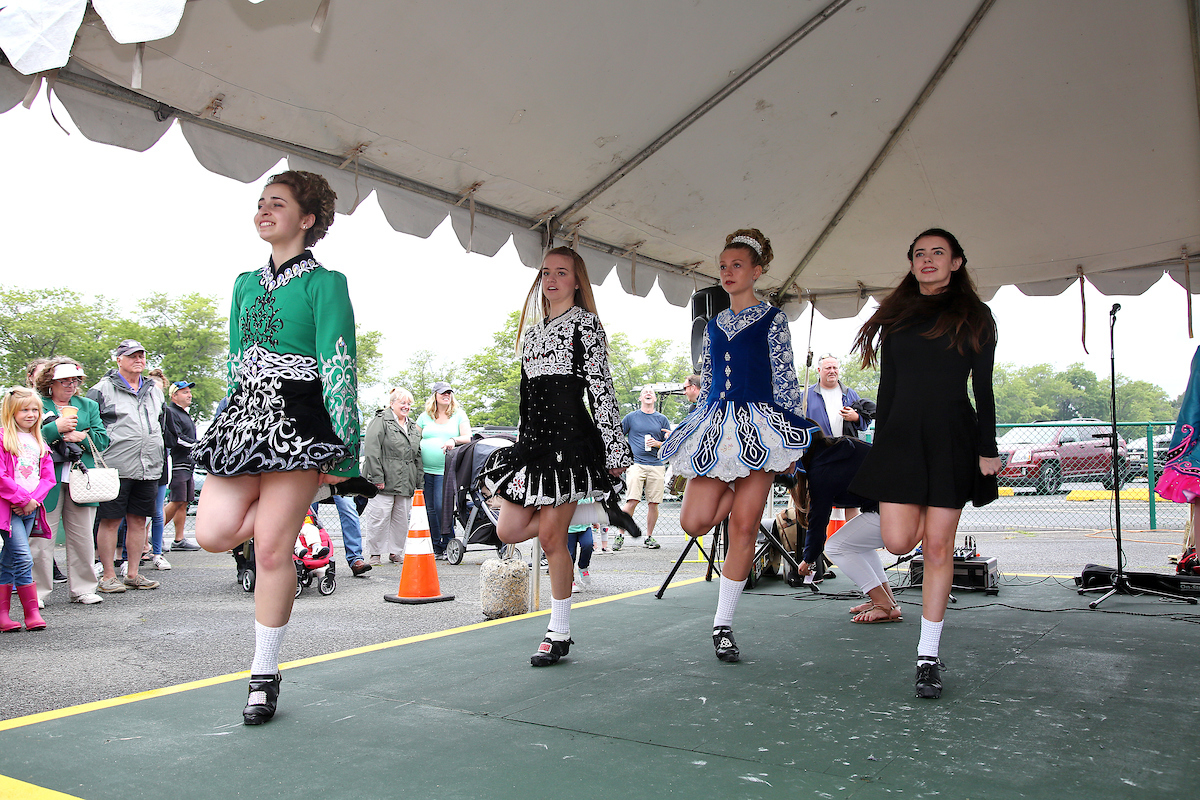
x=313 y=558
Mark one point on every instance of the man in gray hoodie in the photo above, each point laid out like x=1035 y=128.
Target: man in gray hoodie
x=131 y=407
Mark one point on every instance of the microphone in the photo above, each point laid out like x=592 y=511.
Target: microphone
x=1113 y=311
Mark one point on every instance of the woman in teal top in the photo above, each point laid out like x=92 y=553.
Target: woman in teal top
x=58 y=383
x=292 y=419
x=443 y=426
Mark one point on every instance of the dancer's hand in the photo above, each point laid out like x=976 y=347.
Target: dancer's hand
x=617 y=472
x=804 y=570
x=332 y=479
x=990 y=466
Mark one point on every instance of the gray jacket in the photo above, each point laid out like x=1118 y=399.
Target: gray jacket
x=392 y=454
x=134 y=423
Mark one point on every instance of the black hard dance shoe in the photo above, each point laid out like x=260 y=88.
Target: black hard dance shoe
x=727 y=649
x=929 y=679
x=618 y=518
x=264 y=694
x=550 y=651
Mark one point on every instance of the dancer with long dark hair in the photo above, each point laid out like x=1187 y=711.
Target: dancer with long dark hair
x=932 y=451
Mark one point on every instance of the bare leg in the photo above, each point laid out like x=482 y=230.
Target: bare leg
x=106 y=545
x=706 y=502
x=176 y=512
x=749 y=499
x=552 y=535
x=135 y=541
x=651 y=518
x=517 y=523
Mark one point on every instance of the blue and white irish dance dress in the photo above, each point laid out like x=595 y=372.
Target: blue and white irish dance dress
x=749 y=416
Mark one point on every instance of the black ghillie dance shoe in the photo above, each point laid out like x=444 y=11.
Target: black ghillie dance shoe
x=550 y=651
x=264 y=693
x=929 y=679
x=727 y=649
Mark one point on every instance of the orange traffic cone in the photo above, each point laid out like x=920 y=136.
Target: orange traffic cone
x=836 y=520
x=419 y=578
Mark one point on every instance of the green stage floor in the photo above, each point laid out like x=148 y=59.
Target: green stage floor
x=1043 y=698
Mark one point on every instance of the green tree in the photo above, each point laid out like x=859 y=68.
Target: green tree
x=423 y=370
x=188 y=338
x=491 y=379
x=39 y=323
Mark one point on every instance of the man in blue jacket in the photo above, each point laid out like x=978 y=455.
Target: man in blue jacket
x=829 y=402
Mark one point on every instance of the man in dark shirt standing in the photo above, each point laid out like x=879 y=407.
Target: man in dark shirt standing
x=179 y=431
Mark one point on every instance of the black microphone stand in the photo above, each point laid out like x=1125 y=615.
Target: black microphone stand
x=1120 y=584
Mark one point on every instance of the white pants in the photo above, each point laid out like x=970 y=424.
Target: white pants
x=385 y=525
x=81 y=549
x=855 y=548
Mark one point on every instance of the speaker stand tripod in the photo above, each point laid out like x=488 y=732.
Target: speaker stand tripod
x=1120 y=583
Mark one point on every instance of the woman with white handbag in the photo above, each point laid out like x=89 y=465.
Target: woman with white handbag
x=73 y=422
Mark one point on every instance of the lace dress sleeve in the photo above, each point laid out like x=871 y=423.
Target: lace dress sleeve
x=785 y=386
x=600 y=388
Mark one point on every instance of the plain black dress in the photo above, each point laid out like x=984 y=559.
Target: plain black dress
x=928 y=438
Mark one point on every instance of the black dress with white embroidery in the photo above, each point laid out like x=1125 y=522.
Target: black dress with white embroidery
x=292 y=376
x=563 y=453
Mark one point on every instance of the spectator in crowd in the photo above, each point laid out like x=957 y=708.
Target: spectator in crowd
x=443 y=425
x=73 y=420
x=180 y=431
x=831 y=404
x=645 y=429
x=131 y=408
x=32 y=369
x=691 y=388
x=391 y=461
x=157 y=522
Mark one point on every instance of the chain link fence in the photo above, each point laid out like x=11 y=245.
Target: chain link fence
x=1058 y=476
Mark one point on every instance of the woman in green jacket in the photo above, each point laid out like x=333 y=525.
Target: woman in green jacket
x=391 y=461
x=73 y=416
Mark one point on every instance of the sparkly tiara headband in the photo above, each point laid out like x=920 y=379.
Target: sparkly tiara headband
x=746 y=240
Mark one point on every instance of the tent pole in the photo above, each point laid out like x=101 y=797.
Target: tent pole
x=894 y=139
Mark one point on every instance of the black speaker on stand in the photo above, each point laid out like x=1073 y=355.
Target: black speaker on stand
x=706 y=304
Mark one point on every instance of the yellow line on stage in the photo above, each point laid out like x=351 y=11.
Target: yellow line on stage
x=46 y=716
x=13 y=789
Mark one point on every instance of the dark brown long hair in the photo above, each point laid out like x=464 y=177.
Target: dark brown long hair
x=957 y=309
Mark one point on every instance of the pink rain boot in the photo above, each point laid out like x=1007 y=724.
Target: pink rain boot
x=6 y=623
x=28 y=595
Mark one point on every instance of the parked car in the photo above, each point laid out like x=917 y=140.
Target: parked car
x=1045 y=455
x=1139 y=464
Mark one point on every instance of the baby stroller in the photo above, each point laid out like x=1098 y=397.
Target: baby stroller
x=475 y=511
x=322 y=570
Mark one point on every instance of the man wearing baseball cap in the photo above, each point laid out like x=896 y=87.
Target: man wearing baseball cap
x=131 y=407
x=179 y=430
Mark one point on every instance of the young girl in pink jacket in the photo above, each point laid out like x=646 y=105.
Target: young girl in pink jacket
x=26 y=477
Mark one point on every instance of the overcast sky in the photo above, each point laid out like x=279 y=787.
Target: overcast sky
x=101 y=220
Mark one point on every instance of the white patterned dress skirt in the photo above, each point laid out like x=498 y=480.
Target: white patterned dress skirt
x=275 y=421
x=729 y=440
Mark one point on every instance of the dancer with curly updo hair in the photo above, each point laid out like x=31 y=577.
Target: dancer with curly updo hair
x=932 y=451
x=292 y=419
x=747 y=426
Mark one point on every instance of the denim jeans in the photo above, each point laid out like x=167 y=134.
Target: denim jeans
x=16 y=564
x=433 y=507
x=586 y=546
x=351 y=532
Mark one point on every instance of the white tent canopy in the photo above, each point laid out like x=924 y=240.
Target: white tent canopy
x=1055 y=139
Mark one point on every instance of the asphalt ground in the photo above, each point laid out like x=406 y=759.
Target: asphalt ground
x=199 y=623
